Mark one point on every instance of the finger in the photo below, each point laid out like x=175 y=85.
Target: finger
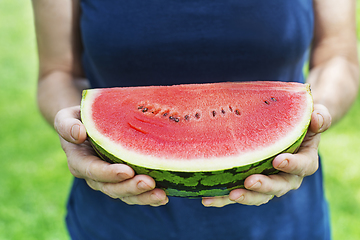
x=320 y=119
x=156 y=197
x=130 y=187
x=85 y=165
x=246 y=197
x=304 y=163
x=217 y=201
x=67 y=123
x=277 y=184
x=241 y=196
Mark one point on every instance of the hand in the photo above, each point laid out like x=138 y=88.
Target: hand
x=259 y=189
x=115 y=180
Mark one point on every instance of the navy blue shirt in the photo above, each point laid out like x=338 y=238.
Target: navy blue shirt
x=132 y=43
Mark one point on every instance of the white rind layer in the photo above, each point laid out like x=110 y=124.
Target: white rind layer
x=196 y=164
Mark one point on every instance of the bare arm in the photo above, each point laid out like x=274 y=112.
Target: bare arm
x=59 y=96
x=334 y=70
x=334 y=82
x=59 y=55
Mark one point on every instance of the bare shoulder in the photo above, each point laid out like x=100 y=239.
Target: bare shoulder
x=58 y=36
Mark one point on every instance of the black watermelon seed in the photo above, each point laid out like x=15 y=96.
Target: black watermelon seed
x=177 y=119
x=230 y=108
x=187 y=117
x=222 y=111
x=237 y=112
x=274 y=99
x=165 y=114
x=266 y=102
x=144 y=110
x=197 y=115
x=156 y=111
x=214 y=113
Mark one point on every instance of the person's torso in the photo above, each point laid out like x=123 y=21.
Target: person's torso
x=131 y=43
x=172 y=42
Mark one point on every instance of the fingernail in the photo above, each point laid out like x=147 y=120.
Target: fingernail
x=75 y=131
x=283 y=164
x=123 y=175
x=321 y=120
x=142 y=185
x=155 y=197
x=256 y=185
x=240 y=199
x=207 y=201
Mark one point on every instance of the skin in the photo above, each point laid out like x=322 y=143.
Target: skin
x=333 y=77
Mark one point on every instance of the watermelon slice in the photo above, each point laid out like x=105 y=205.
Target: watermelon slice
x=198 y=139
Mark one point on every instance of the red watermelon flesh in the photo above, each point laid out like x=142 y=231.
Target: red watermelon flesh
x=197 y=127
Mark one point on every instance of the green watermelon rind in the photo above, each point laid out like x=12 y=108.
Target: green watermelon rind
x=205 y=183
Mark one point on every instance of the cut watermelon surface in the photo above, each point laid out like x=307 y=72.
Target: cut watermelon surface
x=174 y=133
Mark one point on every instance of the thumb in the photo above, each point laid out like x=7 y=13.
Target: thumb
x=320 y=119
x=68 y=125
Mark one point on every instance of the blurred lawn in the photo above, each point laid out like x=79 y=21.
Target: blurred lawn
x=34 y=180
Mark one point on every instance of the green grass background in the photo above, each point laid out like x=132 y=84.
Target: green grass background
x=34 y=180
